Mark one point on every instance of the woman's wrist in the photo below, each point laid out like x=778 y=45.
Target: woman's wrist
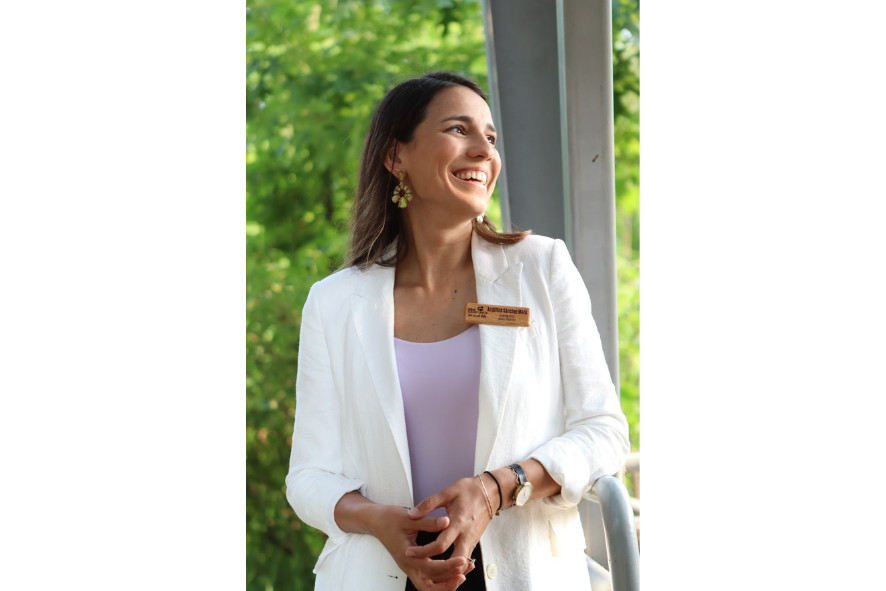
x=505 y=478
x=501 y=501
x=482 y=483
x=375 y=517
x=542 y=483
x=356 y=514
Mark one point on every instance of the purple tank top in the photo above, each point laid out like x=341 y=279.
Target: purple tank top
x=440 y=383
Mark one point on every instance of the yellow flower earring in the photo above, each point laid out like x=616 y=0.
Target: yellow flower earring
x=402 y=195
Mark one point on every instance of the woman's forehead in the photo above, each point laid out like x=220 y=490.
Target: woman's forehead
x=458 y=101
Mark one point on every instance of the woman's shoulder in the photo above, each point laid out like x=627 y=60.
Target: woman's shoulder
x=341 y=284
x=330 y=295
x=535 y=249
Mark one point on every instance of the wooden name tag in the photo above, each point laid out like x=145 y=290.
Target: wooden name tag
x=497 y=315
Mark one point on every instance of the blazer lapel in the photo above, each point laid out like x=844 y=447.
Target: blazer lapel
x=498 y=282
x=373 y=318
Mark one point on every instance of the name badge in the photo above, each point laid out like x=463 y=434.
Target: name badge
x=496 y=315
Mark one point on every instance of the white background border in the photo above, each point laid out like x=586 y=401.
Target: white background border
x=123 y=299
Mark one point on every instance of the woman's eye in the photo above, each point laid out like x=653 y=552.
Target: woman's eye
x=491 y=139
x=458 y=128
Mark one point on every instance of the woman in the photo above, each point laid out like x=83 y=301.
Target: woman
x=495 y=431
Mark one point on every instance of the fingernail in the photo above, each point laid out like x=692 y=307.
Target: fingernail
x=410 y=553
x=441 y=521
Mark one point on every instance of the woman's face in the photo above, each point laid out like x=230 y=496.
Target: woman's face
x=451 y=162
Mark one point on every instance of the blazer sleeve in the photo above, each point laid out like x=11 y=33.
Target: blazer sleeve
x=595 y=442
x=315 y=482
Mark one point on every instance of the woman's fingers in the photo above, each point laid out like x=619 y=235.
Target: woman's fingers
x=437 y=572
x=438 y=546
x=461 y=530
x=440 y=570
x=469 y=566
x=463 y=547
x=429 y=504
x=430 y=524
x=450 y=584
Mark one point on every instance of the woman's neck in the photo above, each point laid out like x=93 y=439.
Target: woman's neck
x=435 y=257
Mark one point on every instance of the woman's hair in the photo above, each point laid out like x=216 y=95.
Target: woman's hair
x=375 y=220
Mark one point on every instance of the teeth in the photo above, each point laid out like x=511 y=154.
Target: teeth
x=477 y=175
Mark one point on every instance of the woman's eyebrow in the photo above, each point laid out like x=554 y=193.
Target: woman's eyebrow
x=467 y=119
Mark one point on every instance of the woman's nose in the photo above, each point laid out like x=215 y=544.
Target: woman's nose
x=481 y=147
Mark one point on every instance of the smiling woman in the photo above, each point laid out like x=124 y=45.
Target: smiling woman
x=449 y=150
x=375 y=224
x=434 y=453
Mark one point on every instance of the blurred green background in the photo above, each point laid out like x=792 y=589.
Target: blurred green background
x=315 y=71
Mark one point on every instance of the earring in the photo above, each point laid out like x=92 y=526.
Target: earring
x=480 y=217
x=402 y=195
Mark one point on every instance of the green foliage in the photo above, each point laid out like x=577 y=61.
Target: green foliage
x=314 y=73
x=628 y=270
x=626 y=101
x=626 y=106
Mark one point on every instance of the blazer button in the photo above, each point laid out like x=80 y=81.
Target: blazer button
x=491 y=570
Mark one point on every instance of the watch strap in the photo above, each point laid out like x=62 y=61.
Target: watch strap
x=521 y=474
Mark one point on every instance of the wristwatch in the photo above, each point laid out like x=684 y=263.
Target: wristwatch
x=524 y=487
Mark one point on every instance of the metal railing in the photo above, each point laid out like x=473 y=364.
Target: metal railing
x=610 y=498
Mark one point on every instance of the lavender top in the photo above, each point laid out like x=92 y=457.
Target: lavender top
x=440 y=383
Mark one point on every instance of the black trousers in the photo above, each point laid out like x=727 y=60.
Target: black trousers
x=475 y=580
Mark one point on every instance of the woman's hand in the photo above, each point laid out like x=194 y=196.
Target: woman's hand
x=397 y=530
x=469 y=514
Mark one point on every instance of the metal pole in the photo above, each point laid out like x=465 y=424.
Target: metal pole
x=588 y=130
x=521 y=50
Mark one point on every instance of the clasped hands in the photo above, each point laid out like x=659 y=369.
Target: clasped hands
x=468 y=515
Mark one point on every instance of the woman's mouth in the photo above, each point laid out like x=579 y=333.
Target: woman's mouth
x=476 y=176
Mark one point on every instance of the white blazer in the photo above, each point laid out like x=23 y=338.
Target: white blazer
x=545 y=393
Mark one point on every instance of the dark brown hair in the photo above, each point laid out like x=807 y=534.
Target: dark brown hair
x=375 y=220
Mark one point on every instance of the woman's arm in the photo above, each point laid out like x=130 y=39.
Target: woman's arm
x=595 y=441
x=316 y=479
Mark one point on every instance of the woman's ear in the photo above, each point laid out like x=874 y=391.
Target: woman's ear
x=392 y=158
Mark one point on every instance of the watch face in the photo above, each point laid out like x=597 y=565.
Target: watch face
x=524 y=494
